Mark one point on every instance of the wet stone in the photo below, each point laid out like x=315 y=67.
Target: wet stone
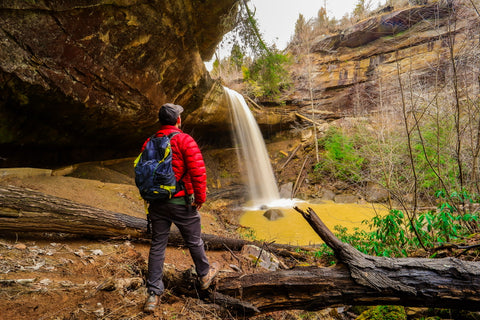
x=273 y=214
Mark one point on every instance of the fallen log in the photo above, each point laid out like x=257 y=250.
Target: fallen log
x=25 y=210
x=290 y=157
x=307 y=119
x=359 y=279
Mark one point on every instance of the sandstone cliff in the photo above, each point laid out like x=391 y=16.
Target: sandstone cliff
x=84 y=79
x=356 y=71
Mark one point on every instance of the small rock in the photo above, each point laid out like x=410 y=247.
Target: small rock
x=45 y=282
x=273 y=214
x=100 y=312
x=236 y=268
x=261 y=257
x=97 y=252
x=20 y=246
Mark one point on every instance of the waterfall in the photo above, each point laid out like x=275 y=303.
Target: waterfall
x=251 y=151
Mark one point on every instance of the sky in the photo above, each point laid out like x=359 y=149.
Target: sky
x=277 y=18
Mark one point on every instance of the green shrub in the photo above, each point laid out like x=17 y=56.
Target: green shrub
x=446 y=223
x=384 y=313
x=434 y=156
x=340 y=159
x=393 y=235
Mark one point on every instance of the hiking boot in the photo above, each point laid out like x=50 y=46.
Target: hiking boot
x=207 y=279
x=152 y=301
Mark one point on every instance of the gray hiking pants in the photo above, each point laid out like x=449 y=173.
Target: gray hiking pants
x=188 y=222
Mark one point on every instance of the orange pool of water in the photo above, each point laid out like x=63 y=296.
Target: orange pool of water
x=294 y=229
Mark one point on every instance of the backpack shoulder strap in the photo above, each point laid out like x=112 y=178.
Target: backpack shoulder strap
x=170 y=136
x=173 y=134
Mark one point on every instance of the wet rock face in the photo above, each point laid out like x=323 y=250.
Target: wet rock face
x=87 y=77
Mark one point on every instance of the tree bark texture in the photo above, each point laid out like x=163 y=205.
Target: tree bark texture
x=25 y=210
x=358 y=279
x=443 y=283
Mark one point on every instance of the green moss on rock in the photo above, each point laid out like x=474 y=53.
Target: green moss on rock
x=383 y=313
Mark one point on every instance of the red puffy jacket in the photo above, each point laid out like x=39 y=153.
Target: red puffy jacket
x=186 y=156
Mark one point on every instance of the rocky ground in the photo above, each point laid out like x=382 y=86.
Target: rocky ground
x=58 y=276
x=87 y=279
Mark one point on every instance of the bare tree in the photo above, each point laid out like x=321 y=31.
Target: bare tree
x=304 y=34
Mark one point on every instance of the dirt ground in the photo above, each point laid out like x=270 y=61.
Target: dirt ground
x=59 y=277
x=55 y=276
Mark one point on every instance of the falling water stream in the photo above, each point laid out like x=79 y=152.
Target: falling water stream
x=263 y=190
x=252 y=152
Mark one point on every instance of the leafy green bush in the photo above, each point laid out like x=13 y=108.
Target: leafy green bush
x=393 y=235
x=389 y=236
x=433 y=156
x=340 y=159
x=447 y=223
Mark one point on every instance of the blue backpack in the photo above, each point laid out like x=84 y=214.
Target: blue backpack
x=154 y=175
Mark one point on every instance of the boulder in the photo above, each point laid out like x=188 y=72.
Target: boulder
x=346 y=198
x=273 y=214
x=327 y=194
x=285 y=190
x=375 y=192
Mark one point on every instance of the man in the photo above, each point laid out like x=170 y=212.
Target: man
x=182 y=209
